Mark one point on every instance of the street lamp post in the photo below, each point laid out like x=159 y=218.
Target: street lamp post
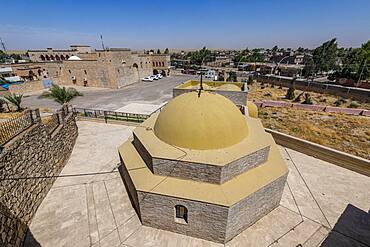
x=277 y=65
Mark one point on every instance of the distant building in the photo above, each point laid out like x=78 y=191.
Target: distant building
x=57 y=55
x=112 y=68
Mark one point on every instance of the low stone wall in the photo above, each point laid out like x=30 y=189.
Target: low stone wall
x=330 y=155
x=28 y=166
x=238 y=97
x=26 y=87
x=319 y=108
x=359 y=94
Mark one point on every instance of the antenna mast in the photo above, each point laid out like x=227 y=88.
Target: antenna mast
x=102 y=42
x=3 y=45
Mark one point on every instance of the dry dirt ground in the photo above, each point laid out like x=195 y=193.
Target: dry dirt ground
x=346 y=133
x=266 y=92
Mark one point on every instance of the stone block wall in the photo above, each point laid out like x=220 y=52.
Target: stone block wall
x=202 y=172
x=28 y=166
x=244 y=164
x=360 y=94
x=239 y=98
x=206 y=221
x=26 y=87
x=249 y=210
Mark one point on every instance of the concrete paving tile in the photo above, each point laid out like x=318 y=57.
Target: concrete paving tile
x=299 y=234
x=104 y=215
x=119 y=200
x=110 y=240
x=333 y=187
x=305 y=201
x=317 y=238
x=129 y=227
x=56 y=219
x=95 y=150
x=287 y=199
x=265 y=231
x=93 y=224
x=147 y=236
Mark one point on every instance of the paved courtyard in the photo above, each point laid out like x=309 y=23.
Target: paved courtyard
x=88 y=204
x=156 y=93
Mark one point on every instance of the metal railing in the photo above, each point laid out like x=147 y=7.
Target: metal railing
x=12 y=127
x=110 y=115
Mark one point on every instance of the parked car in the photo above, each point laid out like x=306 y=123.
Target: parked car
x=160 y=76
x=154 y=77
x=149 y=78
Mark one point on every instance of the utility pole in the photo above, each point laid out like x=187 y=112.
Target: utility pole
x=362 y=70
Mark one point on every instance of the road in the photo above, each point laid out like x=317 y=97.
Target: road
x=156 y=92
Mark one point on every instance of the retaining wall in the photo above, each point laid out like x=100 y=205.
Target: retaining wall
x=359 y=94
x=28 y=166
x=320 y=108
x=29 y=86
x=330 y=155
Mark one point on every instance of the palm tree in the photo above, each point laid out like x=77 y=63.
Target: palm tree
x=16 y=100
x=61 y=95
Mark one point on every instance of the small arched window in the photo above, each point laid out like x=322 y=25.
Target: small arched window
x=85 y=72
x=181 y=214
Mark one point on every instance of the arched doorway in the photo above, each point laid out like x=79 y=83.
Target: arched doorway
x=52 y=57
x=62 y=57
x=67 y=57
x=47 y=58
x=135 y=67
x=155 y=71
x=42 y=57
x=57 y=57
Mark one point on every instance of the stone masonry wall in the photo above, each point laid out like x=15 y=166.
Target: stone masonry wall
x=239 y=98
x=201 y=171
x=244 y=164
x=246 y=212
x=206 y=221
x=359 y=94
x=28 y=164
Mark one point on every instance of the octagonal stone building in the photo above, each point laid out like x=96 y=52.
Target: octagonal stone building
x=201 y=168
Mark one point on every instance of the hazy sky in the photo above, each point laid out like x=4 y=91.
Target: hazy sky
x=144 y=24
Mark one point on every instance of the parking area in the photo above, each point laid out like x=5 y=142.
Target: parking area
x=156 y=93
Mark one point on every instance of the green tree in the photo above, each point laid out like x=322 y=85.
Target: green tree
x=16 y=100
x=166 y=51
x=61 y=95
x=3 y=57
x=158 y=51
x=325 y=56
x=356 y=63
x=200 y=56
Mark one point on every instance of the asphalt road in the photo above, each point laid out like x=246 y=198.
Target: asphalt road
x=156 y=92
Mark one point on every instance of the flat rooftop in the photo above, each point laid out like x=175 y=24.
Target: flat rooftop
x=89 y=206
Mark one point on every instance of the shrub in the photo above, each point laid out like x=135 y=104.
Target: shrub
x=307 y=99
x=290 y=93
x=16 y=100
x=354 y=104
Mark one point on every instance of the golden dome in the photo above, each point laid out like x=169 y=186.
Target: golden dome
x=229 y=87
x=252 y=109
x=210 y=121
